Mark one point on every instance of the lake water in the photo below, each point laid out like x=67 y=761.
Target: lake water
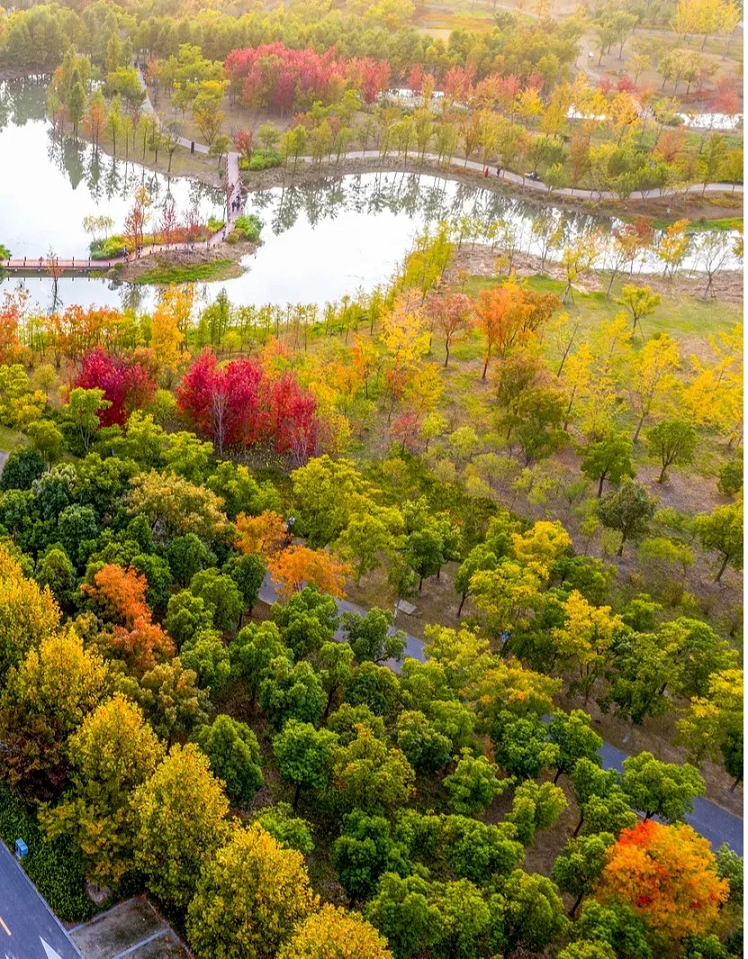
x=320 y=241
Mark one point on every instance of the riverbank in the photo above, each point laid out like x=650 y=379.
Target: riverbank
x=476 y=260
x=222 y=261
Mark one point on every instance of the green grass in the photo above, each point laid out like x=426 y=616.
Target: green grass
x=10 y=439
x=680 y=315
x=197 y=273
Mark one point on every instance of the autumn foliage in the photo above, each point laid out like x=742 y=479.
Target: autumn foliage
x=274 y=76
x=128 y=385
x=668 y=876
x=241 y=404
x=119 y=595
x=300 y=566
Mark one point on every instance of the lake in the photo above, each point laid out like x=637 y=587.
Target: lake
x=320 y=241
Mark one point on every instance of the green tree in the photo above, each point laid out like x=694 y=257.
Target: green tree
x=639 y=301
x=23 y=465
x=306 y=621
x=221 y=596
x=170 y=698
x=480 y=557
x=628 y=511
x=187 y=555
x=55 y=570
x=374 y=686
x=81 y=415
x=614 y=925
x=250 y=897
x=369 y=775
x=534 y=912
x=573 y=734
x=248 y=572
x=364 y=851
x=587 y=949
x=535 y=806
x=672 y=441
x=187 y=615
x=608 y=458
x=522 y=746
x=303 y=754
x=289 y=830
x=579 y=864
x=473 y=785
x=722 y=532
x=291 y=691
x=254 y=649
x=372 y=637
x=181 y=812
x=424 y=746
x=206 y=656
x=234 y=756
x=661 y=789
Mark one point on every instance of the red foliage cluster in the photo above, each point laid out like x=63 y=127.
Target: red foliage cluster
x=126 y=385
x=272 y=75
x=240 y=404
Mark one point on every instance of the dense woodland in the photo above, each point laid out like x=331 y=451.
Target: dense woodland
x=545 y=460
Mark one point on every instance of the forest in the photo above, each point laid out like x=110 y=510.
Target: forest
x=406 y=625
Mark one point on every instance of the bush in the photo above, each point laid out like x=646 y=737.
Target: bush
x=55 y=868
x=264 y=160
x=250 y=225
x=731 y=478
x=109 y=249
x=214 y=225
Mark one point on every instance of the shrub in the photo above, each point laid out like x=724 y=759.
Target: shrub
x=250 y=225
x=108 y=249
x=265 y=159
x=54 y=867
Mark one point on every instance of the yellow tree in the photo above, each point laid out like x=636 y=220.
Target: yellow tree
x=715 y=396
x=170 y=321
x=334 y=933
x=586 y=639
x=713 y=727
x=506 y=594
x=541 y=546
x=300 y=566
x=651 y=377
x=28 y=614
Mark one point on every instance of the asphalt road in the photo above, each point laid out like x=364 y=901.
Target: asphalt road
x=714 y=823
x=28 y=927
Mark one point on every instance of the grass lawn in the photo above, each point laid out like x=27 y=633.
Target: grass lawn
x=198 y=272
x=10 y=439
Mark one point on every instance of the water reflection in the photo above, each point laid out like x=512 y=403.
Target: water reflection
x=321 y=241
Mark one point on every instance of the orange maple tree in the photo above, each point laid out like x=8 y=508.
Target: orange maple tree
x=668 y=876
x=300 y=566
x=119 y=595
x=265 y=534
x=501 y=317
x=141 y=647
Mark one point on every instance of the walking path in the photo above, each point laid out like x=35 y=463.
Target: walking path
x=457 y=165
x=712 y=821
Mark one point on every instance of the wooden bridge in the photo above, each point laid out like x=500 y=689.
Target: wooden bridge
x=44 y=266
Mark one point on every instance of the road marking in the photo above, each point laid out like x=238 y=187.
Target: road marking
x=3 y=924
x=51 y=953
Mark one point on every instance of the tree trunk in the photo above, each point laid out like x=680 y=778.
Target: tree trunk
x=574 y=908
x=579 y=826
x=722 y=568
x=620 y=548
x=462 y=603
x=600 y=485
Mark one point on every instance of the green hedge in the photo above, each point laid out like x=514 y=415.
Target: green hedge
x=55 y=868
x=263 y=160
x=250 y=225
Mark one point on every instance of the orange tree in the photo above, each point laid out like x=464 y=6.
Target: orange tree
x=668 y=876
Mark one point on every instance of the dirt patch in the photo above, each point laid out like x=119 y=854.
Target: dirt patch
x=481 y=261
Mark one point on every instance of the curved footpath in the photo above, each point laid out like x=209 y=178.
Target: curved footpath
x=431 y=160
x=712 y=821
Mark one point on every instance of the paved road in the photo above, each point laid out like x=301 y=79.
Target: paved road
x=714 y=823
x=28 y=927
